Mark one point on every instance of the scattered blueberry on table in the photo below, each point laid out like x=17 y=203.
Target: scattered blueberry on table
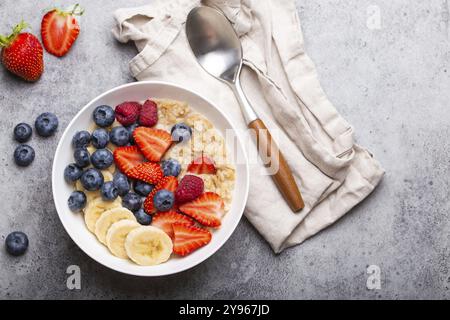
x=132 y=201
x=16 y=243
x=46 y=124
x=104 y=116
x=22 y=132
x=77 y=201
x=24 y=155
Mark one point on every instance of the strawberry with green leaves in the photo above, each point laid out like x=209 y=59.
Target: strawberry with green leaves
x=60 y=29
x=22 y=54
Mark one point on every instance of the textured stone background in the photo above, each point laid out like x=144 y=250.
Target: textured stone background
x=392 y=83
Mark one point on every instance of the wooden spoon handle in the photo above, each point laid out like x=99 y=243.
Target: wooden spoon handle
x=273 y=158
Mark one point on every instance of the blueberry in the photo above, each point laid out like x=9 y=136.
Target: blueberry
x=81 y=139
x=121 y=182
x=131 y=130
x=22 y=132
x=142 y=217
x=100 y=138
x=163 y=200
x=72 y=173
x=132 y=201
x=104 y=116
x=82 y=157
x=102 y=159
x=181 y=132
x=109 y=191
x=92 y=179
x=24 y=155
x=77 y=201
x=171 y=167
x=119 y=136
x=46 y=124
x=142 y=188
x=16 y=243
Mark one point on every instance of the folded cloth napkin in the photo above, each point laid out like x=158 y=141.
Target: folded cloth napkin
x=333 y=173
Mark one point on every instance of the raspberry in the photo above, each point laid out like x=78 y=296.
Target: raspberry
x=190 y=188
x=149 y=114
x=127 y=113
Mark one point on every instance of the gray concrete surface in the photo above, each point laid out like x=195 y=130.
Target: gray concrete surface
x=390 y=81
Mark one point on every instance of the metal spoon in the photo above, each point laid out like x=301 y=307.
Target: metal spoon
x=218 y=50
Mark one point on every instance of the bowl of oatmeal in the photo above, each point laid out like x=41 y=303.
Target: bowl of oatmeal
x=186 y=171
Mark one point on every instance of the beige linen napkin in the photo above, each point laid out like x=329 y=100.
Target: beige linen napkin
x=280 y=80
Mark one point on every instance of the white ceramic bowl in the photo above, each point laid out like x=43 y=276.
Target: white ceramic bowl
x=74 y=222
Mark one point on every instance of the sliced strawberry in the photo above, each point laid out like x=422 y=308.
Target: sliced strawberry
x=169 y=183
x=126 y=158
x=148 y=172
x=59 y=30
x=149 y=208
x=207 y=209
x=189 y=238
x=202 y=164
x=164 y=221
x=153 y=143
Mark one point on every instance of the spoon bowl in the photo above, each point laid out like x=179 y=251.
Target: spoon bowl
x=219 y=53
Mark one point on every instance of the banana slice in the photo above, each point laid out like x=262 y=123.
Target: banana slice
x=148 y=246
x=91 y=195
x=115 y=237
x=109 y=217
x=95 y=208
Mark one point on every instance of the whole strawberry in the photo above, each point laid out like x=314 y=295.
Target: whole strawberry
x=22 y=54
